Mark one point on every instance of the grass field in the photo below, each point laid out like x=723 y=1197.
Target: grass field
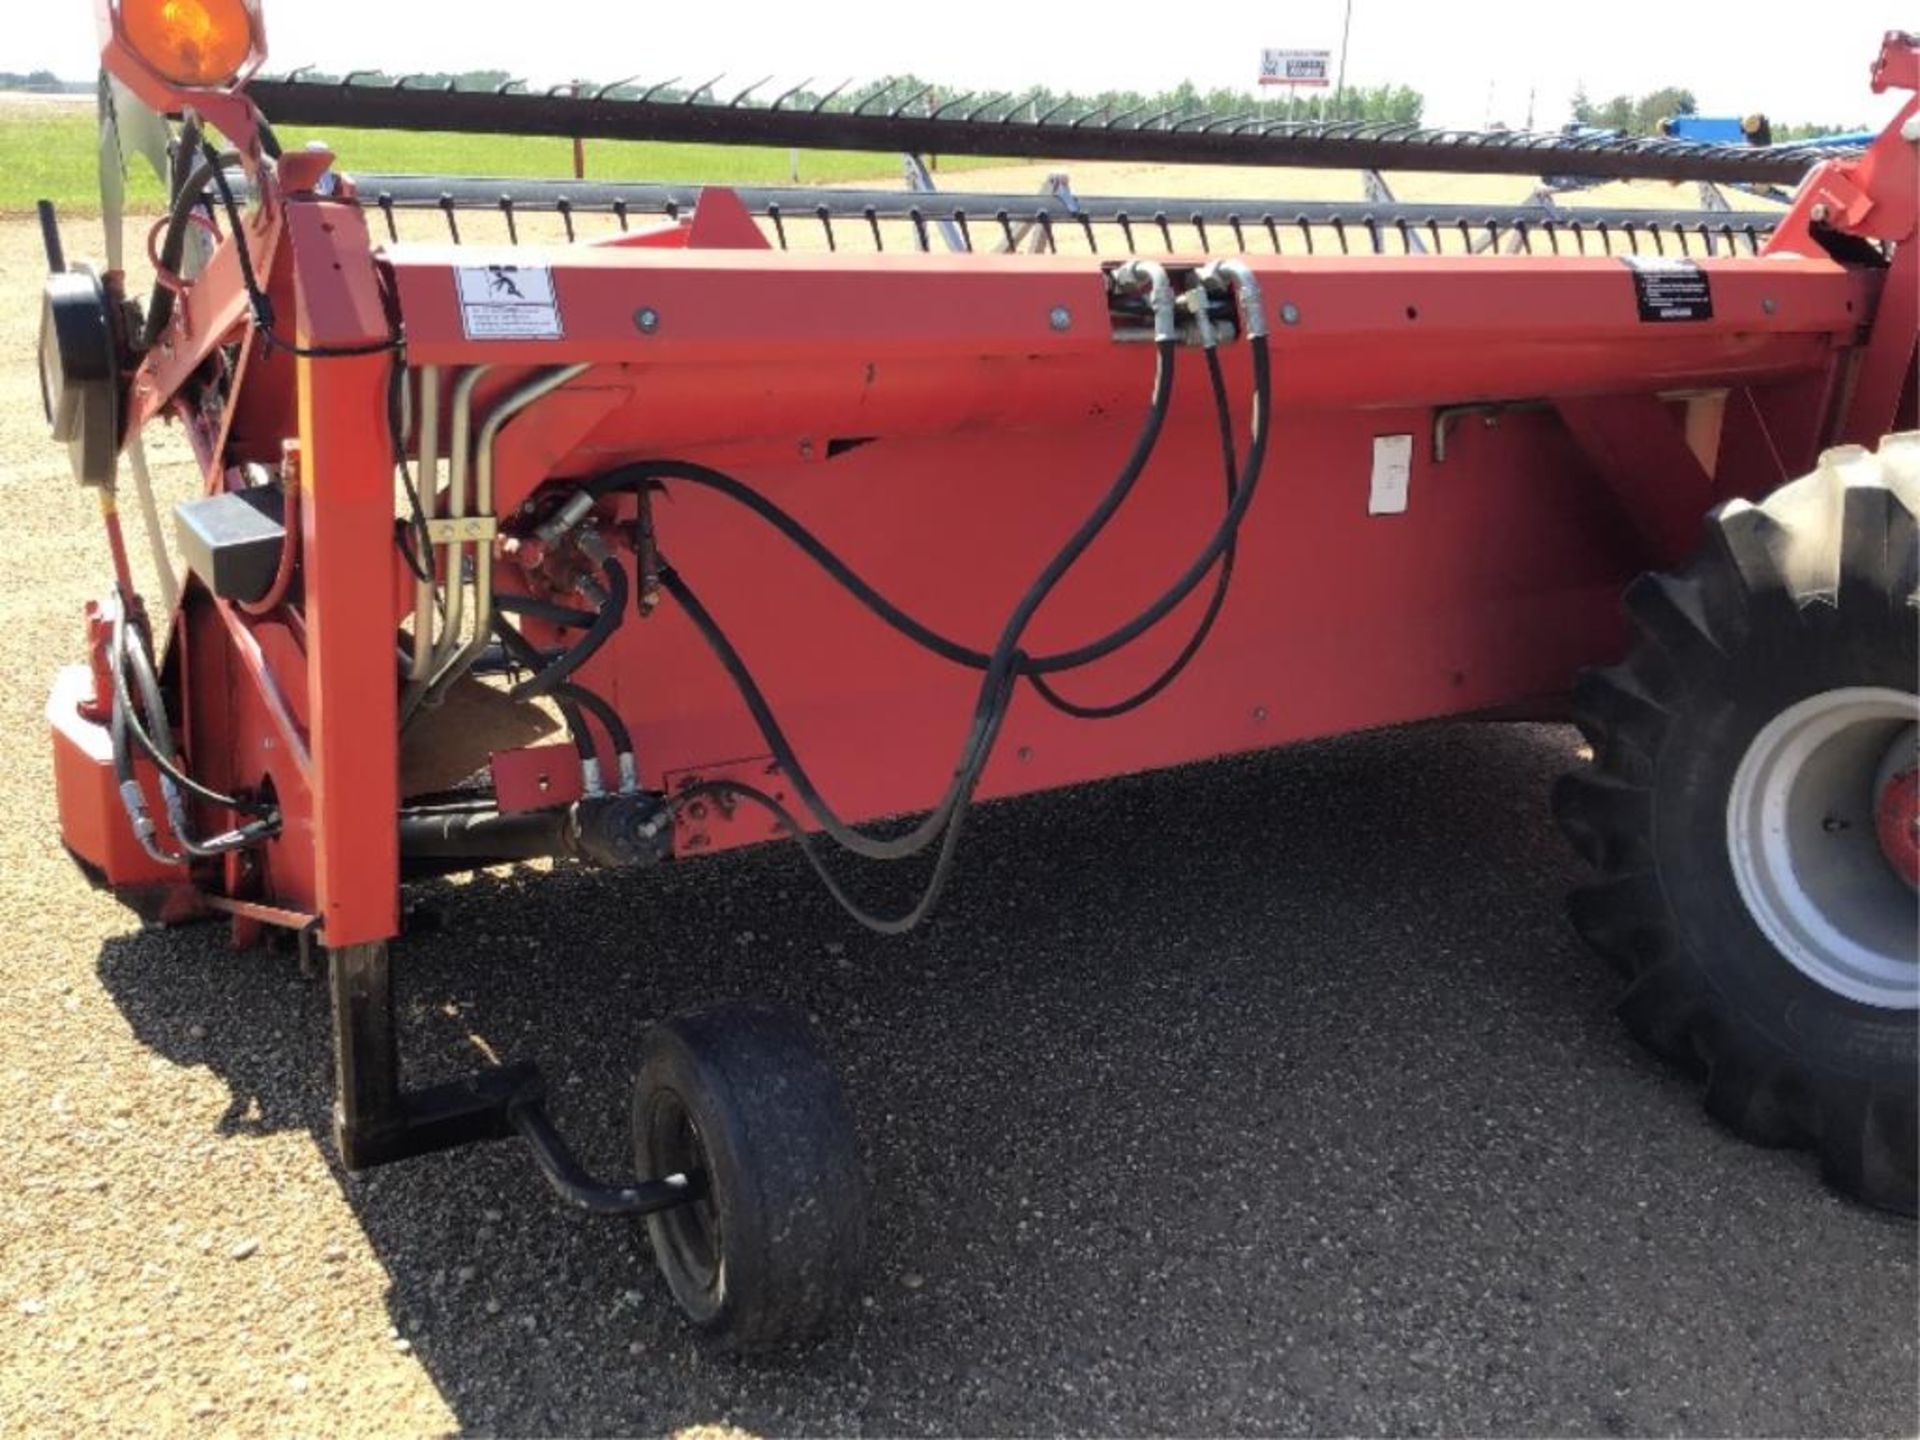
x=47 y=152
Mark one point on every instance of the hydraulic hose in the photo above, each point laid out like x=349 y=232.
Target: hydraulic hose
x=174 y=243
x=173 y=780
x=547 y=610
x=161 y=757
x=1222 y=537
x=1223 y=581
x=646 y=472
x=943 y=861
x=571 y=700
x=1005 y=661
x=611 y=613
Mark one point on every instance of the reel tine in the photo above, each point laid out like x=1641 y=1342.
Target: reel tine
x=901 y=109
x=984 y=106
x=789 y=93
x=821 y=104
x=734 y=103
x=861 y=107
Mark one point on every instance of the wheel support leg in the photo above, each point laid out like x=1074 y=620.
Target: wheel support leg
x=377 y=1121
x=367 y=1113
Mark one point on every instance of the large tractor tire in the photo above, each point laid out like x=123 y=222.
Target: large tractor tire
x=1751 y=810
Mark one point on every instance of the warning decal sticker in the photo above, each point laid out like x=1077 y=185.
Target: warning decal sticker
x=508 y=302
x=1670 y=289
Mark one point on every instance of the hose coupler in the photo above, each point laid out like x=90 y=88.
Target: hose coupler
x=1153 y=278
x=1238 y=276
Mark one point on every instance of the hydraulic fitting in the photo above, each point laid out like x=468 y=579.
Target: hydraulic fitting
x=1152 y=277
x=1239 y=277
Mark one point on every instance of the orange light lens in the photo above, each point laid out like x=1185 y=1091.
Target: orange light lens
x=190 y=42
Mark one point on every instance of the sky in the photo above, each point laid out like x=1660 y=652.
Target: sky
x=1476 y=62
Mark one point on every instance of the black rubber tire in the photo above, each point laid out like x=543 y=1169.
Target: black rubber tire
x=1812 y=590
x=773 y=1253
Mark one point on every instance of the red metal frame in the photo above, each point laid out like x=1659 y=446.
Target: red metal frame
x=1591 y=443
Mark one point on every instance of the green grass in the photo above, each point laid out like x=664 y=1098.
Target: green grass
x=51 y=156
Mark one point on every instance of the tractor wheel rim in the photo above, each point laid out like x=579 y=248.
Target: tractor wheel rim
x=1804 y=836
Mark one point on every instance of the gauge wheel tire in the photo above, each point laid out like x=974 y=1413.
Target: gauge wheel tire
x=771 y=1253
x=1788 y=604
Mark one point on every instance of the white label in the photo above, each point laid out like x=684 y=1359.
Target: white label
x=1392 y=469
x=508 y=302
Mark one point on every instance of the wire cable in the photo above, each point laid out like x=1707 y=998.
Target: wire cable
x=258 y=299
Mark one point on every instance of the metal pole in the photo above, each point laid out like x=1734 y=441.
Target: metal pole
x=1340 y=84
x=579 y=145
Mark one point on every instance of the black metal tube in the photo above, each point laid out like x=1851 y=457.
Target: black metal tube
x=597 y=1197
x=50 y=237
x=484 y=836
x=1342 y=147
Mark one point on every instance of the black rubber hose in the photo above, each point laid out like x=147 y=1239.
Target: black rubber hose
x=1223 y=581
x=174 y=244
x=604 y=624
x=120 y=654
x=1005 y=661
x=569 y=697
x=258 y=299
x=546 y=610
x=943 y=861
x=1258 y=434
x=254 y=831
x=640 y=473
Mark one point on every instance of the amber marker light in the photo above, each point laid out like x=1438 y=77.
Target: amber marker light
x=194 y=43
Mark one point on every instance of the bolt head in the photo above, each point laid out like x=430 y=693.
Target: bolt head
x=1060 y=318
x=1289 y=313
x=646 y=320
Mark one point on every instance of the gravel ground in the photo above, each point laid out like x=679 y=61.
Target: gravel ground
x=1326 y=1128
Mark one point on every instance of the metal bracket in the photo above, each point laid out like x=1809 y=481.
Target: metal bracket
x=450 y=530
x=714 y=823
x=1445 y=415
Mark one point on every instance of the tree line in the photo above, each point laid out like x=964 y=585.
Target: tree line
x=1642 y=115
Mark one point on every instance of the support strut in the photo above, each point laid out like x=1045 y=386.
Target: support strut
x=376 y=1121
